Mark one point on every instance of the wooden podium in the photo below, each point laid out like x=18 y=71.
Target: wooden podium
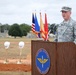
x=62 y=56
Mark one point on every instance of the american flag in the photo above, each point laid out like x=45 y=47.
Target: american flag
x=35 y=26
x=33 y=23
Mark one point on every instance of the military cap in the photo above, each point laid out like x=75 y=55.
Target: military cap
x=66 y=9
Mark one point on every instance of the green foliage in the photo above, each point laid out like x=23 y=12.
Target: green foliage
x=53 y=28
x=15 y=31
x=25 y=29
x=4 y=27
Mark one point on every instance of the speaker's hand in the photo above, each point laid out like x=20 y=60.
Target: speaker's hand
x=75 y=42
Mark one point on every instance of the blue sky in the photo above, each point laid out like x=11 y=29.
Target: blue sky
x=20 y=11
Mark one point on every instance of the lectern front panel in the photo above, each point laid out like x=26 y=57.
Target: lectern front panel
x=50 y=47
x=66 y=58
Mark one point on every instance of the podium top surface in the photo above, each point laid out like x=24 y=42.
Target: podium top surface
x=49 y=41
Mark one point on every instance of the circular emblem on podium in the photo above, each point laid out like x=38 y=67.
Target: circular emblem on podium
x=42 y=61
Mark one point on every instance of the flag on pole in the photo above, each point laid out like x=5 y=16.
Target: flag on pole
x=35 y=25
x=42 y=31
x=46 y=28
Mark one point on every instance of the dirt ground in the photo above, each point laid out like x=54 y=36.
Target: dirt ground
x=14 y=65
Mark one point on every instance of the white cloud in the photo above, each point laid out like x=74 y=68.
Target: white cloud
x=20 y=11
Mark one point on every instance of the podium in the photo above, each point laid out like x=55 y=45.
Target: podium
x=62 y=56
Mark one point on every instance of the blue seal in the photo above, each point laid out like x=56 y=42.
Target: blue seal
x=42 y=61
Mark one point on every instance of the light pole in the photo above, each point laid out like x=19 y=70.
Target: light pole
x=6 y=44
x=21 y=45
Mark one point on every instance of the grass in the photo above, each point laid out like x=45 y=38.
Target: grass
x=13 y=51
x=14 y=73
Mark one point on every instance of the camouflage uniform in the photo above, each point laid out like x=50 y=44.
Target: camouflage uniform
x=66 y=31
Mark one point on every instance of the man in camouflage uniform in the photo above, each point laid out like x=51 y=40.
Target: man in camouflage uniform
x=66 y=31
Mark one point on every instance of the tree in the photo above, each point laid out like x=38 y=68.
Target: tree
x=15 y=30
x=25 y=29
x=53 y=28
x=4 y=27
